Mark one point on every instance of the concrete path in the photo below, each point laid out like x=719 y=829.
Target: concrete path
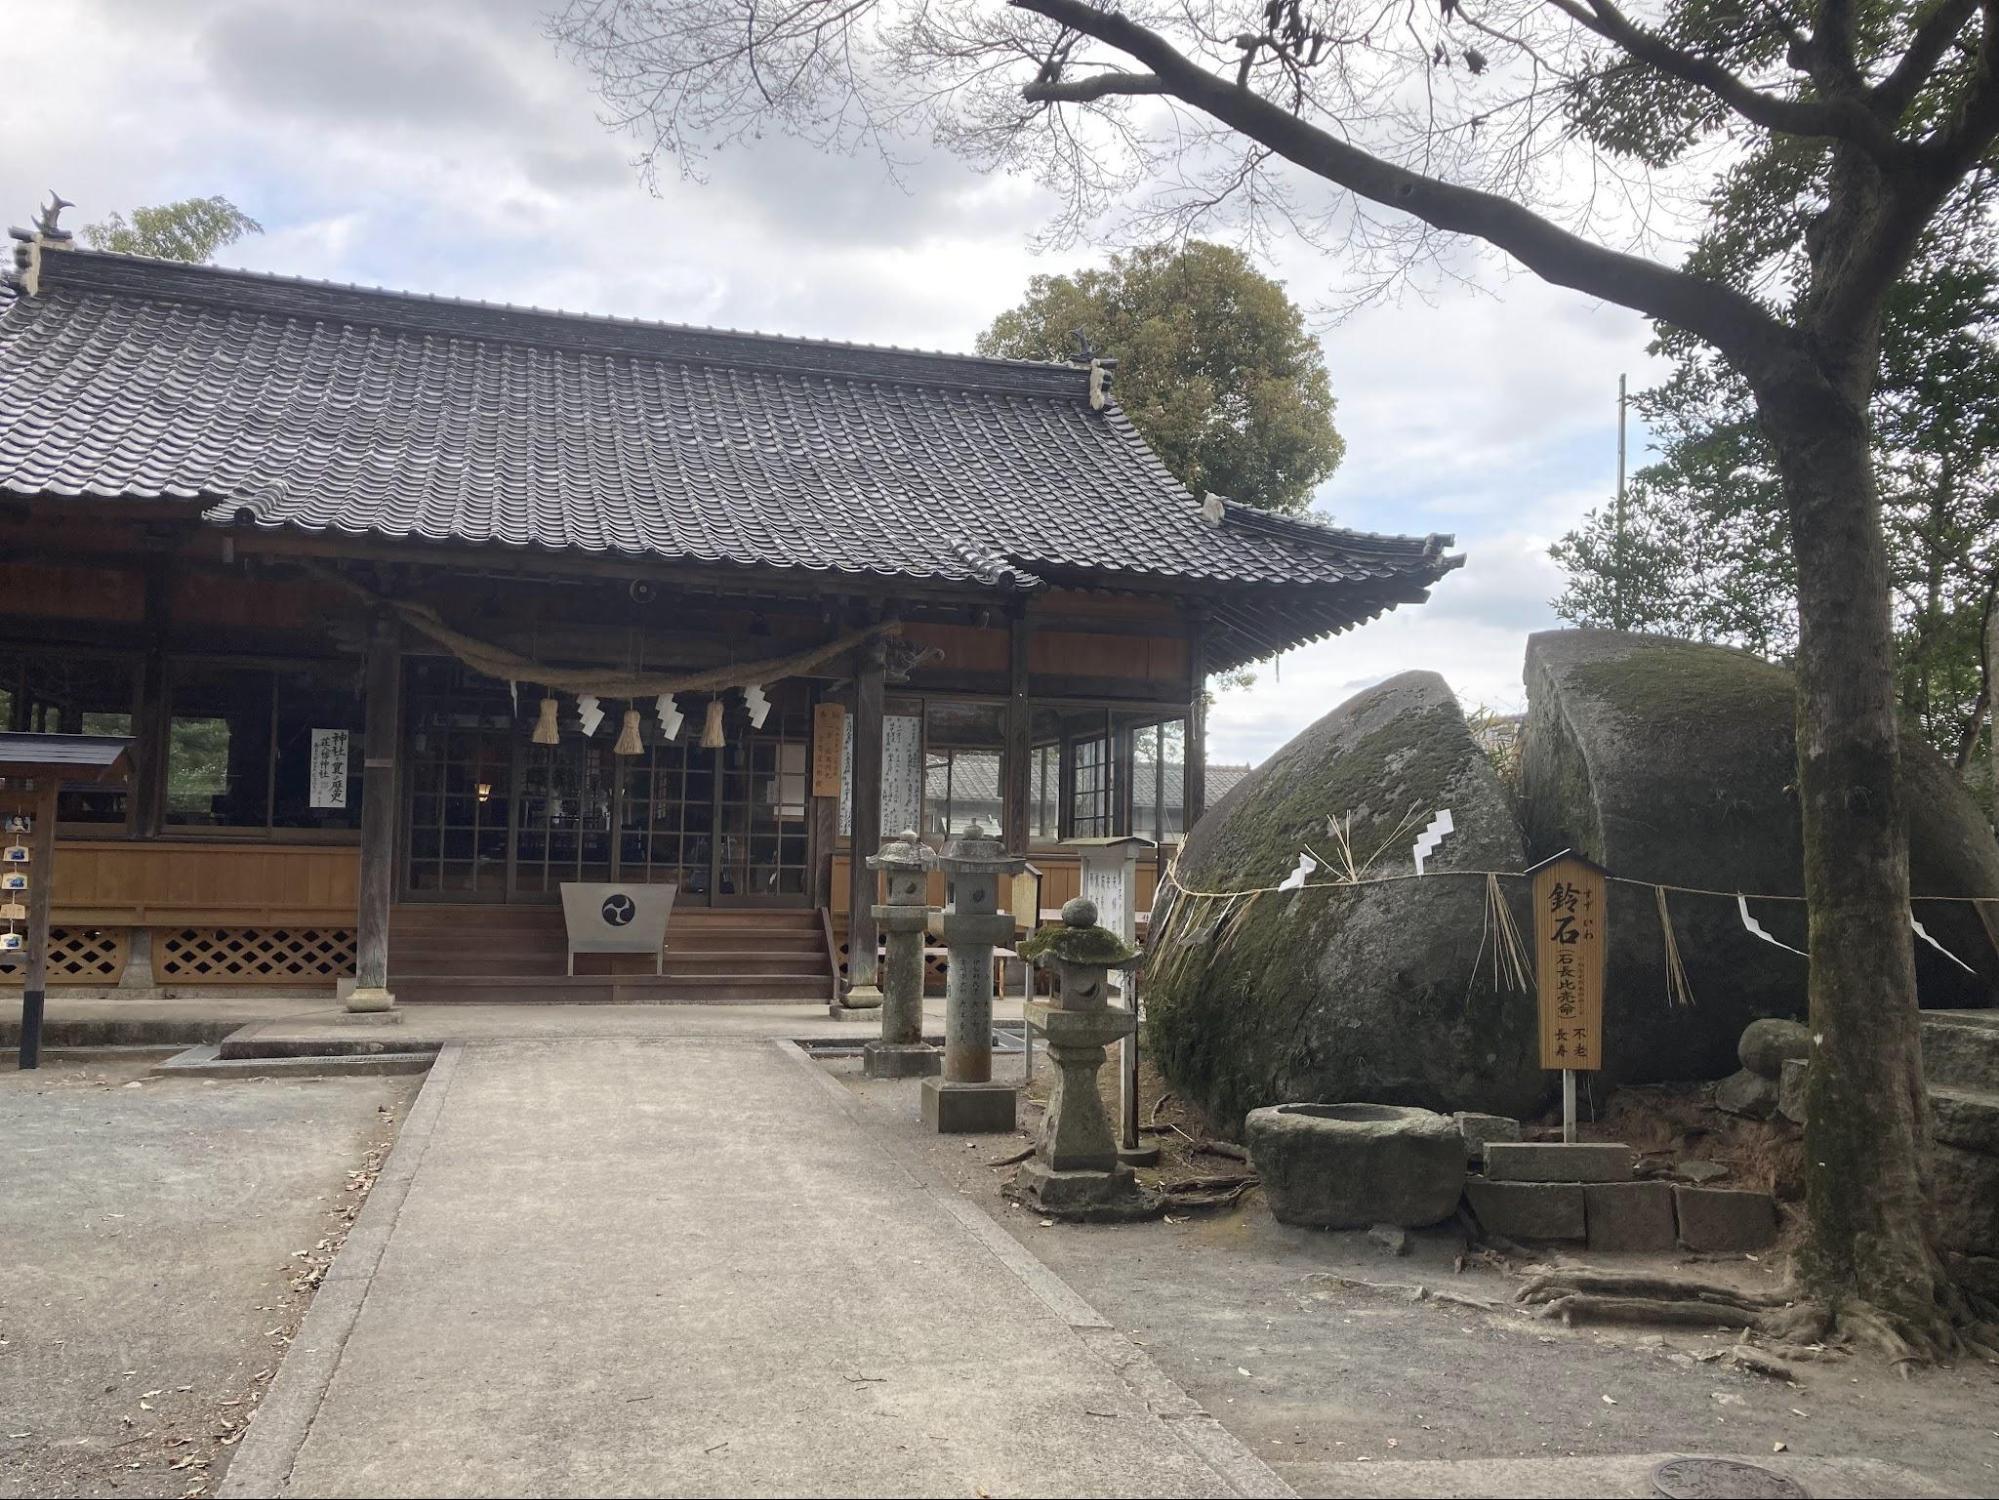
x=690 y=1267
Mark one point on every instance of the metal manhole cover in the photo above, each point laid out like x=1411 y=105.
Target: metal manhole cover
x=1722 y=1479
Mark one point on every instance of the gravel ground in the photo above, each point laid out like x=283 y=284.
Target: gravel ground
x=161 y=1239
x=1311 y=1347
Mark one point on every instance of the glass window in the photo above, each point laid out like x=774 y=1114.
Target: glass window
x=242 y=742
x=219 y=747
x=63 y=694
x=963 y=778
x=1158 y=776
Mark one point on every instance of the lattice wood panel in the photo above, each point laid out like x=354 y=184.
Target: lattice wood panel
x=252 y=955
x=77 y=955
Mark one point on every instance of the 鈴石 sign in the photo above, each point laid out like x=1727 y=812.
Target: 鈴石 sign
x=329 y=767
x=1568 y=961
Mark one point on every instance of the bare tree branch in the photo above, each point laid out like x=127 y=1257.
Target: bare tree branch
x=1724 y=317
x=1089 y=90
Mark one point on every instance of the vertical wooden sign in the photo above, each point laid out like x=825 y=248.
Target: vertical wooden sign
x=829 y=743
x=1569 y=931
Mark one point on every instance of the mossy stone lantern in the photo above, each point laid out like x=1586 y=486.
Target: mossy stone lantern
x=1076 y=1171
x=901 y=1052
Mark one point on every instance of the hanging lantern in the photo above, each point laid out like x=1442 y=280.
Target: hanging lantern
x=545 y=732
x=758 y=705
x=670 y=716
x=711 y=732
x=628 y=737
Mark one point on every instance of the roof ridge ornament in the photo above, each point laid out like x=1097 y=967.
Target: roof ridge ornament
x=1101 y=372
x=27 y=273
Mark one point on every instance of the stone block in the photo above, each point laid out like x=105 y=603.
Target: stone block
x=1965 y=1118
x=1528 y=1210
x=1966 y=1201
x=1791 y=1091
x=1558 y=1161
x=1351 y=1166
x=1748 y=1094
x=1767 y=1044
x=969 y=1108
x=1725 y=1218
x=889 y=1060
x=1629 y=1215
x=1480 y=1131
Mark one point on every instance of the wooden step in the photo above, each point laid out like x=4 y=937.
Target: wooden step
x=605 y=989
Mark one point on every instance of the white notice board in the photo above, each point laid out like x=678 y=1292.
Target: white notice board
x=329 y=767
x=902 y=775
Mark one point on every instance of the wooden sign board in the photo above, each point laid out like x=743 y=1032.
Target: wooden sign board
x=1569 y=931
x=829 y=736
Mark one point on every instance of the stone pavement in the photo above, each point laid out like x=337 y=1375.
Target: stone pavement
x=689 y=1266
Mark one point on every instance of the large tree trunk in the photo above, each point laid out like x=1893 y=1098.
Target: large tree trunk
x=1867 y=1250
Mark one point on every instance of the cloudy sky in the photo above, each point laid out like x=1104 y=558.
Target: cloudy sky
x=441 y=145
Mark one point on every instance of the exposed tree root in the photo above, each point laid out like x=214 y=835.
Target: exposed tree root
x=1584 y=1294
x=1802 y=1325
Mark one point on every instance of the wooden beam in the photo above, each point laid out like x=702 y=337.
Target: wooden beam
x=1017 y=757
x=379 y=802
x=1194 y=756
x=870 y=687
x=150 y=729
x=41 y=892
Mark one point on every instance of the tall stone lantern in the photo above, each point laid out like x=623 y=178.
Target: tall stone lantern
x=901 y=1051
x=1076 y=1171
x=966 y=1100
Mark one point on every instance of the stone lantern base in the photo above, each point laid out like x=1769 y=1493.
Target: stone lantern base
x=969 y=1108
x=900 y=1060
x=1107 y=1196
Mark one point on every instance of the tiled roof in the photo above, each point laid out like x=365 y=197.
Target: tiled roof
x=281 y=403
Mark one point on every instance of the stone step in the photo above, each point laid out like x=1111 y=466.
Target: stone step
x=1557 y=1161
x=1961 y=1049
x=1966 y=1118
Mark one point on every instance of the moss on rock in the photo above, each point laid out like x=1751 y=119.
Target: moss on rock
x=1373 y=993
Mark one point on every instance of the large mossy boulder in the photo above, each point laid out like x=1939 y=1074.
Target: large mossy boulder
x=1675 y=762
x=1380 y=992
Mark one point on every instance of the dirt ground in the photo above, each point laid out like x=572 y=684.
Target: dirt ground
x=159 y=1242
x=1322 y=1349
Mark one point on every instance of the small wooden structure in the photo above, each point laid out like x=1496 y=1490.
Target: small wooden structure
x=34 y=768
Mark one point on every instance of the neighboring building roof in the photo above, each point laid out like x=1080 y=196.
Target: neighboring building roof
x=975 y=780
x=78 y=757
x=282 y=403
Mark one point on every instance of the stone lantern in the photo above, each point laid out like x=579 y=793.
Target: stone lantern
x=901 y=1051
x=1076 y=1171
x=966 y=1100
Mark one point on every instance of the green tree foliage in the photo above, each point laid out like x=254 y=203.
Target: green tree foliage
x=1216 y=368
x=1706 y=548
x=191 y=229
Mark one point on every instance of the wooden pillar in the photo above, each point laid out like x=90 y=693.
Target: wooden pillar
x=379 y=745
x=150 y=731
x=1017 y=759
x=870 y=684
x=41 y=893
x=1195 y=755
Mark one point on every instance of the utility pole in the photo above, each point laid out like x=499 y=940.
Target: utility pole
x=1619 y=615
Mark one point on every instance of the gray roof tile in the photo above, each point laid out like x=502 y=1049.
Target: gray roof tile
x=284 y=403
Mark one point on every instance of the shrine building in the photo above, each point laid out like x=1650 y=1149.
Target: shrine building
x=416 y=608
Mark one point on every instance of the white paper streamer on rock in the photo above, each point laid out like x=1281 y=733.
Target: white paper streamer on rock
x=1297 y=878
x=1427 y=841
x=1922 y=933
x=1756 y=928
